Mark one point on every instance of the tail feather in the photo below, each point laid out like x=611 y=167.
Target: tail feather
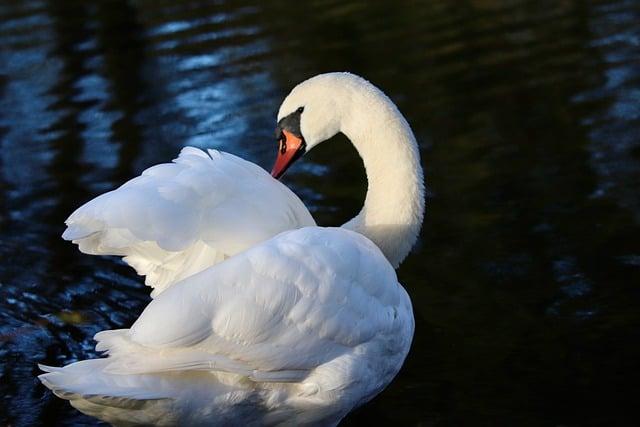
x=119 y=400
x=87 y=380
x=138 y=399
x=48 y=369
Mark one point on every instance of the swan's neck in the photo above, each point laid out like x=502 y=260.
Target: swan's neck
x=394 y=206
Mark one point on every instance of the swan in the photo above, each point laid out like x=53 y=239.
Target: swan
x=298 y=328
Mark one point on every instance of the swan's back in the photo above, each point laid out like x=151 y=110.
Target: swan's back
x=305 y=326
x=179 y=218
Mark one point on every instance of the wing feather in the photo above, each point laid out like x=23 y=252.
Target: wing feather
x=177 y=219
x=272 y=313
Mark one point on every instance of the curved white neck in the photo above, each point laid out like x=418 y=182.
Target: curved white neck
x=394 y=206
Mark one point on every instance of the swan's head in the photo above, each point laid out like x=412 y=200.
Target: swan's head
x=310 y=114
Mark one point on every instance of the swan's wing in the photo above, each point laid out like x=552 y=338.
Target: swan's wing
x=271 y=313
x=177 y=219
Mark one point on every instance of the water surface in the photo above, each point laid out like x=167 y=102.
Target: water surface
x=526 y=279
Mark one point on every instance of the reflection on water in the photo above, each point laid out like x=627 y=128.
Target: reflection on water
x=528 y=114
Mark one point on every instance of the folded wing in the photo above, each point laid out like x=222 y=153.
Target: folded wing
x=177 y=219
x=272 y=313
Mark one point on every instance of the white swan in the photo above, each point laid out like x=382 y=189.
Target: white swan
x=296 y=330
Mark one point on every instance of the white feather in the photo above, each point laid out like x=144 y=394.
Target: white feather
x=178 y=219
x=290 y=312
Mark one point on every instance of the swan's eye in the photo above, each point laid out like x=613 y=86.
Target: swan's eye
x=300 y=110
x=283 y=143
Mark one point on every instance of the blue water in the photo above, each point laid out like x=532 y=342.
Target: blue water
x=526 y=279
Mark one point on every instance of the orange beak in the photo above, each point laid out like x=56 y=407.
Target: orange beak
x=291 y=148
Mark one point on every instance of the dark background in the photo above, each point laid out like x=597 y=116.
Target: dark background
x=526 y=279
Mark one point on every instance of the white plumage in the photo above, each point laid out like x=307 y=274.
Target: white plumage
x=177 y=219
x=247 y=328
x=284 y=316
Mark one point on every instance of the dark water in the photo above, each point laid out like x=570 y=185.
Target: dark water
x=526 y=280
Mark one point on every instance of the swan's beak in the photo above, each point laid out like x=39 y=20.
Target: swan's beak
x=291 y=148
